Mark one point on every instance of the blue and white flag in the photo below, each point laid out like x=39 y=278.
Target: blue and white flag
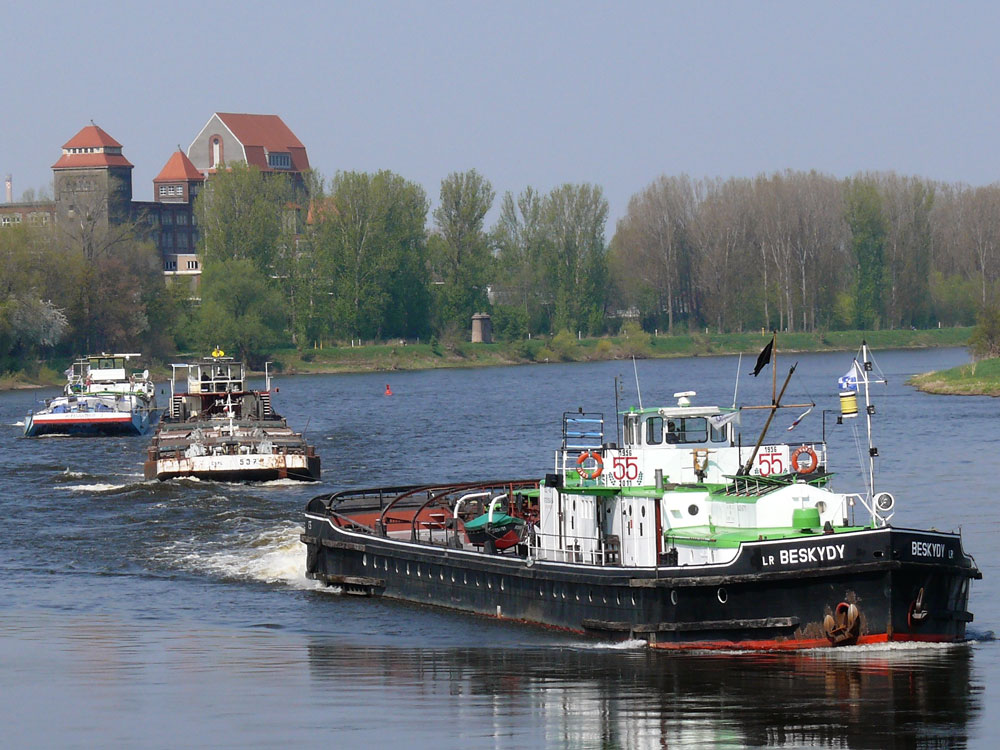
x=849 y=381
x=718 y=421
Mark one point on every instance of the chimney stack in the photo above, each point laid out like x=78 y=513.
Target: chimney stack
x=9 y=184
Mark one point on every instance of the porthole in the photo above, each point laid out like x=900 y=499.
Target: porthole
x=441 y=574
x=693 y=509
x=555 y=594
x=642 y=511
x=502 y=587
x=489 y=583
x=630 y=510
x=364 y=560
x=453 y=576
x=407 y=569
x=604 y=598
x=574 y=503
x=564 y=593
x=479 y=582
x=590 y=596
x=419 y=573
x=633 y=600
x=395 y=566
x=618 y=599
x=541 y=591
x=577 y=595
x=723 y=596
x=385 y=565
x=465 y=579
x=673 y=597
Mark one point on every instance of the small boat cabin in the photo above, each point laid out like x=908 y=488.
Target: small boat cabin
x=212 y=375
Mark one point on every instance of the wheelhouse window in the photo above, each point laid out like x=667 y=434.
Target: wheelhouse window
x=654 y=430
x=718 y=434
x=687 y=430
x=631 y=429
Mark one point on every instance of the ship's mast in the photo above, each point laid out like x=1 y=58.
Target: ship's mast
x=864 y=371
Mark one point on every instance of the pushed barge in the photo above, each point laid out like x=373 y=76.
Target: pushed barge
x=219 y=429
x=102 y=397
x=680 y=536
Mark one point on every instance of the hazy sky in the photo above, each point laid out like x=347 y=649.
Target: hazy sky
x=534 y=93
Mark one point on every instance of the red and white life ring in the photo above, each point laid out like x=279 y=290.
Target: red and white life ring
x=590 y=473
x=805 y=468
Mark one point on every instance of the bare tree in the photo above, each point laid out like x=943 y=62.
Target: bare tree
x=652 y=239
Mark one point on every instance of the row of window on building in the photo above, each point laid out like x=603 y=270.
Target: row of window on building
x=35 y=217
x=168 y=217
x=171 y=265
x=175 y=240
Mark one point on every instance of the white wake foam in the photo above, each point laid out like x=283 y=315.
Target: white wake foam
x=635 y=643
x=882 y=648
x=98 y=487
x=272 y=556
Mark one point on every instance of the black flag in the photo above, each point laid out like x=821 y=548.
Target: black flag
x=763 y=358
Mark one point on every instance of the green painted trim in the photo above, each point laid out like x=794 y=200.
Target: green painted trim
x=726 y=537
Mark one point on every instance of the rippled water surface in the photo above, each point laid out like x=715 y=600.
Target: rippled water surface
x=147 y=614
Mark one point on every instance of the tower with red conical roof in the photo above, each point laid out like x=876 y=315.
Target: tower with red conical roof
x=179 y=181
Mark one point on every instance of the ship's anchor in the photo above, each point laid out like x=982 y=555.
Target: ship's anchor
x=843 y=627
x=916 y=614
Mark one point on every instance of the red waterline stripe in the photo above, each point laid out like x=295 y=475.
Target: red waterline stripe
x=50 y=421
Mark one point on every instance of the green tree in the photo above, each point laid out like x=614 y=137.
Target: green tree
x=30 y=323
x=907 y=204
x=985 y=340
x=519 y=241
x=574 y=218
x=371 y=249
x=242 y=310
x=241 y=214
x=460 y=252
x=867 y=225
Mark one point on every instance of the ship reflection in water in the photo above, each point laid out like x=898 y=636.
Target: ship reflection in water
x=853 y=698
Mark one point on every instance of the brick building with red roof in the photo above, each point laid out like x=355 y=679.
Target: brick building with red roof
x=93 y=174
x=262 y=141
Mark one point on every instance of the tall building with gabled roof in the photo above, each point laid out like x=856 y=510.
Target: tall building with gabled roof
x=262 y=141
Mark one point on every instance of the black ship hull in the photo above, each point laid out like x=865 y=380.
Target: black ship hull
x=861 y=587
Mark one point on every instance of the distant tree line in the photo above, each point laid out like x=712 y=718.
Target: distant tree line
x=362 y=257
x=804 y=251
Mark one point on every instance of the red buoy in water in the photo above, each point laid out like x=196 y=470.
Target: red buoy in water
x=388 y=390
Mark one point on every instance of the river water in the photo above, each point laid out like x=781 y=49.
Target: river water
x=164 y=615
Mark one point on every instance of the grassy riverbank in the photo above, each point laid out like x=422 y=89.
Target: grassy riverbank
x=392 y=357
x=563 y=348
x=976 y=379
